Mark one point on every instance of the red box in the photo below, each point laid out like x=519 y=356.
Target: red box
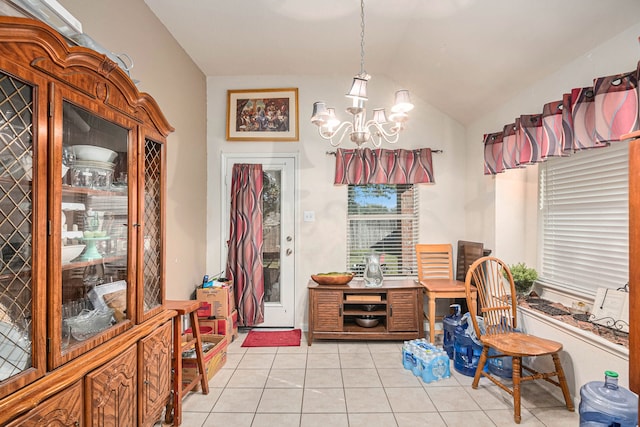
x=218 y=302
x=227 y=326
x=214 y=358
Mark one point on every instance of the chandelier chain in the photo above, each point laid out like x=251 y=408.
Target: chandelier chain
x=362 y=72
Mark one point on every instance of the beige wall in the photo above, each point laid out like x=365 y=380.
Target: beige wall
x=321 y=245
x=168 y=74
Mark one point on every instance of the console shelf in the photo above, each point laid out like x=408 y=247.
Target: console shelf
x=397 y=305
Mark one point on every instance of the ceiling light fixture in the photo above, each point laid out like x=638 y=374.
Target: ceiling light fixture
x=360 y=131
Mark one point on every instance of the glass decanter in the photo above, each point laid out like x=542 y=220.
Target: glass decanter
x=372 y=271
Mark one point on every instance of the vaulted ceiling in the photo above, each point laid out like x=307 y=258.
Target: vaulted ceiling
x=464 y=57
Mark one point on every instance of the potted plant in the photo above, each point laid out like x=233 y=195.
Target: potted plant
x=523 y=278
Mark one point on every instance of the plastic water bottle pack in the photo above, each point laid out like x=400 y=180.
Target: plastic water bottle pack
x=425 y=360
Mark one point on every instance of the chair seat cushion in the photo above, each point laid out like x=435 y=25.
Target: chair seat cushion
x=519 y=344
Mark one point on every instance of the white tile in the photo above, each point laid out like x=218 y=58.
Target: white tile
x=221 y=378
x=452 y=399
x=232 y=360
x=286 y=378
x=361 y=378
x=292 y=361
x=352 y=347
x=413 y=399
x=248 y=378
x=356 y=360
x=274 y=420
x=324 y=420
x=238 y=400
x=300 y=349
x=398 y=377
x=387 y=360
x=225 y=419
x=372 y=420
x=194 y=419
x=323 y=347
x=198 y=402
x=323 y=360
x=385 y=347
x=281 y=400
x=556 y=417
x=323 y=378
x=366 y=400
x=504 y=417
x=324 y=400
x=419 y=419
x=464 y=419
x=256 y=361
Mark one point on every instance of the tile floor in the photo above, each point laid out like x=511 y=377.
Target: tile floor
x=348 y=383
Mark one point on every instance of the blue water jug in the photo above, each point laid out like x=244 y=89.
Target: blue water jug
x=466 y=347
x=604 y=404
x=449 y=324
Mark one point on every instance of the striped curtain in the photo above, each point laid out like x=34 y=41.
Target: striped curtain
x=244 y=261
x=587 y=117
x=380 y=166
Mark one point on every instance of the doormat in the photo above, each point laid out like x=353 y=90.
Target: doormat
x=288 y=338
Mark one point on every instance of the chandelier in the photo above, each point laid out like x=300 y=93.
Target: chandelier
x=360 y=130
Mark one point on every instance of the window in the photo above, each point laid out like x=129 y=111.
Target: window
x=382 y=219
x=585 y=219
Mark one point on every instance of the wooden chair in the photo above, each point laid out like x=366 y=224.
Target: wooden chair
x=435 y=261
x=496 y=298
x=435 y=272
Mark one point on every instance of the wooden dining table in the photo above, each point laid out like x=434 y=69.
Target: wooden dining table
x=443 y=288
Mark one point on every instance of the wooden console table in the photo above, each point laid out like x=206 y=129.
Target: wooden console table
x=397 y=304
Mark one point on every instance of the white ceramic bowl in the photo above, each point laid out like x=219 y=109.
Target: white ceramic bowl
x=93 y=153
x=71 y=252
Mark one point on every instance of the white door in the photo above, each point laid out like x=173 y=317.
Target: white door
x=278 y=232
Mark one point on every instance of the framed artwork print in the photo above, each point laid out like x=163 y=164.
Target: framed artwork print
x=262 y=115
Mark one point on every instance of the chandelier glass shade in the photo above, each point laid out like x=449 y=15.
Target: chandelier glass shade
x=360 y=130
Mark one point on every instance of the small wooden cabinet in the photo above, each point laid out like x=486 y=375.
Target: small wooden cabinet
x=154 y=374
x=397 y=306
x=112 y=392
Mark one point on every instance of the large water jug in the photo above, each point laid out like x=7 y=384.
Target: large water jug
x=466 y=346
x=604 y=404
x=449 y=324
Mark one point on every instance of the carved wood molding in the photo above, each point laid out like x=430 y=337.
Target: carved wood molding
x=35 y=44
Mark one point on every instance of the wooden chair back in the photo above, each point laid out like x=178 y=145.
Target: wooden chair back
x=435 y=261
x=496 y=296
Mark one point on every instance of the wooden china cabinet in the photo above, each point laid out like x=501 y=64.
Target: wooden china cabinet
x=85 y=338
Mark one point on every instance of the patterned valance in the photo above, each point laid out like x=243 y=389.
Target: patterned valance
x=587 y=117
x=380 y=166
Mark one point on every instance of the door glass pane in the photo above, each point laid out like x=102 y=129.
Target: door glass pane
x=152 y=226
x=271 y=231
x=94 y=225
x=16 y=195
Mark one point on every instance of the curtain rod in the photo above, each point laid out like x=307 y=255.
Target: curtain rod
x=333 y=153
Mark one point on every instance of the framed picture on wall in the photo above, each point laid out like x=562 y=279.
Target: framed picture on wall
x=262 y=115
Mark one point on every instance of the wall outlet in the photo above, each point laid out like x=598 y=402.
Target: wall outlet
x=309 y=216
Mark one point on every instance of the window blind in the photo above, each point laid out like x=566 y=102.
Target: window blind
x=585 y=219
x=383 y=219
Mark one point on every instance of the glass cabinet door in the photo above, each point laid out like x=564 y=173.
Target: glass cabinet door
x=153 y=245
x=16 y=227
x=94 y=221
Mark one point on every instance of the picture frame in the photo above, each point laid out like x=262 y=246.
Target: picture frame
x=262 y=115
